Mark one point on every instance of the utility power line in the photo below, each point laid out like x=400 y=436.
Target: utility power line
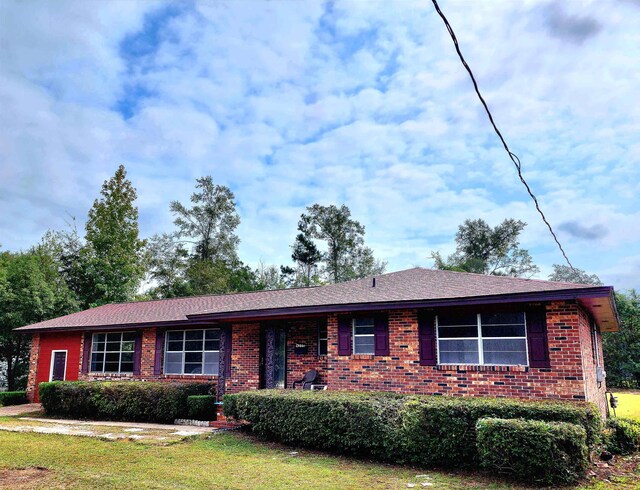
x=514 y=158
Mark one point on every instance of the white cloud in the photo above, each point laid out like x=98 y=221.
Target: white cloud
x=362 y=102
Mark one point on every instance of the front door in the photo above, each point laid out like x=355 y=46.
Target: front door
x=58 y=365
x=273 y=356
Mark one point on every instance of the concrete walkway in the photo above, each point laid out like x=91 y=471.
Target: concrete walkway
x=190 y=429
x=19 y=409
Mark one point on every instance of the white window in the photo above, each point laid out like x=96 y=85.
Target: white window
x=112 y=352
x=192 y=352
x=363 y=336
x=322 y=339
x=496 y=339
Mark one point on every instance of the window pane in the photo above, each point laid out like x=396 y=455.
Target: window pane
x=363 y=345
x=173 y=368
x=98 y=337
x=95 y=367
x=212 y=334
x=193 y=368
x=112 y=357
x=126 y=367
x=127 y=346
x=114 y=337
x=211 y=345
x=193 y=357
x=111 y=367
x=174 y=346
x=126 y=357
x=457 y=319
x=457 y=332
x=322 y=347
x=129 y=336
x=113 y=346
x=193 y=335
x=322 y=330
x=173 y=357
x=193 y=345
x=98 y=347
x=505 y=351
x=211 y=362
x=503 y=330
x=175 y=336
x=363 y=321
x=458 y=351
x=364 y=329
x=502 y=318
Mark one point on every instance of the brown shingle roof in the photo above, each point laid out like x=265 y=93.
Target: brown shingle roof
x=416 y=284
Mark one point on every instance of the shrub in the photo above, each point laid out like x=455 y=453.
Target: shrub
x=622 y=436
x=425 y=430
x=123 y=400
x=546 y=453
x=201 y=407
x=12 y=398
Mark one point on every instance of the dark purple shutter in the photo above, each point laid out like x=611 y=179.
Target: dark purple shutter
x=137 y=354
x=537 y=338
x=344 y=335
x=427 y=338
x=157 y=364
x=86 y=352
x=381 y=334
x=227 y=346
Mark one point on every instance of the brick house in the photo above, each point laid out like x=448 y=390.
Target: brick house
x=413 y=331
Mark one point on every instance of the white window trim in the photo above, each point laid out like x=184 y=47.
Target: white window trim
x=53 y=357
x=326 y=339
x=183 y=352
x=480 y=340
x=104 y=361
x=353 y=335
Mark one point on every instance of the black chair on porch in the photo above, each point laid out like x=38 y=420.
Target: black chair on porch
x=307 y=380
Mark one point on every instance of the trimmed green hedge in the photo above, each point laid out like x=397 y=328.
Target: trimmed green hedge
x=622 y=436
x=12 y=398
x=201 y=407
x=122 y=400
x=533 y=451
x=425 y=430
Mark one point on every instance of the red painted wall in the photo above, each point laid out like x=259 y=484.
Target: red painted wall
x=62 y=341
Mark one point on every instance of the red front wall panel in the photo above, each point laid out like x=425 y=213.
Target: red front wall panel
x=62 y=341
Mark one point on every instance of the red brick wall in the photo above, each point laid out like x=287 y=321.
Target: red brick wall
x=401 y=372
x=245 y=358
x=40 y=358
x=594 y=393
x=571 y=374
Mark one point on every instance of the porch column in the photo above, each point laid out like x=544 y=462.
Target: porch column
x=270 y=355
x=224 y=362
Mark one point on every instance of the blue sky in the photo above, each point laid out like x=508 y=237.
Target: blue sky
x=362 y=103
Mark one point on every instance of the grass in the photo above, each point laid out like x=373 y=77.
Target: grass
x=226 y=460
x=628 y=404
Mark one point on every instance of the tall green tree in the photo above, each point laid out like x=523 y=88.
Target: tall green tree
x=622 y=349
x=201 y=255
x=112 y=261
x=31 y=290
x=491 y=251
x=564 y=273
x=346 y=256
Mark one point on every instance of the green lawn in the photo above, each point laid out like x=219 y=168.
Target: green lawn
x=229 y=460
x=628 y=404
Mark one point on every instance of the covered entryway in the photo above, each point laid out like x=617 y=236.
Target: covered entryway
x=273 y=355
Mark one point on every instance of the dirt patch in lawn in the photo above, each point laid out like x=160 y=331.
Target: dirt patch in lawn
x=23 y=477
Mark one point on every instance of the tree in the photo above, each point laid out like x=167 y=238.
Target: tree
x=113 y=260
x=491 y=251
x=622 y=349
x=306 y=257
x=201 y=255
x=346 y=257
x=564 y=273
x=31 y=290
